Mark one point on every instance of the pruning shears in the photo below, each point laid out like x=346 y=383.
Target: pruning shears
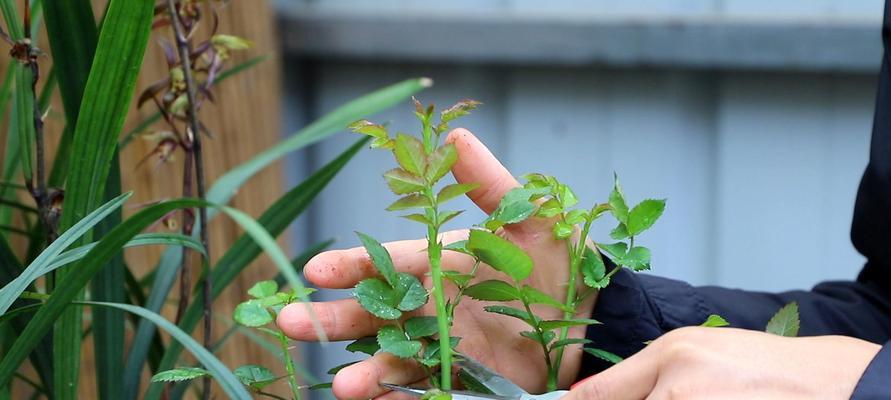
x=501 y=387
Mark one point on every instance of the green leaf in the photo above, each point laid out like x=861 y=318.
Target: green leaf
x=449 y=192
x=265 y=240
x=570 y=341
x=513 y=312
x=180 y=374
x=255 y=376
x=392 y=340
x=263 y=289
x=384 y=301
x=785 y=322
x=409 y=152
x=10 y=292
x=41 y=357
x=431 y=353
x=252 y=313
x=440 y=162
x=644 y=215
x=458 y=110
x=546 y=337
x=108 y=286
x=515 y=206
x=422 y=326
x=620 y=232
x=562 y=323
x=380 y=257
x=459 y=247
x=446 y=216
x=638 y=258
x=367 y=345
x=456 y=277
x=401 y=181
x=576 y=216
x=366 y=127
x=714 y=321
x=80 y=275
x=549 y=209
x=410 y=201
x=412 y=294
x=436 y=394
x=112 y=79
x=336 y=369
x=227 y=381
x=615 y=251
x=501 y=254
x=535 y=296
x=12 y=19
x=492 y=290
x=320 y=386
x=71 y=29
x=593 y=269
x=110 y=85
x=603 y=355
x=378 y=298
x=617 y=204
x=562 y=230
x=420 y=218
x=225 y=186
x=275 y=219
x=23 y=117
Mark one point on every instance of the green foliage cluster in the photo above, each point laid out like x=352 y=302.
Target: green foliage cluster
x=422 y=162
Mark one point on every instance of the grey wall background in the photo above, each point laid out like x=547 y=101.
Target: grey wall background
x=751 y=116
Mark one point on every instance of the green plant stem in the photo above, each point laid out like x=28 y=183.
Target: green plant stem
x=434 y=253
x=460 y=294
x=289 y=366
x=540 y=334
x=576 y=253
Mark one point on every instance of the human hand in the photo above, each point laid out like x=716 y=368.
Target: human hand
x=726 y=363
x=489 y=338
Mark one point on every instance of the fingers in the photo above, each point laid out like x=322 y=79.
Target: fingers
x=340 y=320
x=632 y=379
x=343 y=269
x=476 y=164
x=361 y=381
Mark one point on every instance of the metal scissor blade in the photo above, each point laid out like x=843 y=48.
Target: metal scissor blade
x=404 y=389
x=456 y=394
x=498 y=384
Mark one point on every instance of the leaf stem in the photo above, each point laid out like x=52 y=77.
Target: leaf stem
x=576 y=253
x=460 y=294
x=538 y=332
x=194 y=136
x=434 y=253
x=289 y=366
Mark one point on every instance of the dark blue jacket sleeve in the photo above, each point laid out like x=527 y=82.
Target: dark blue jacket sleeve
x=638 y=308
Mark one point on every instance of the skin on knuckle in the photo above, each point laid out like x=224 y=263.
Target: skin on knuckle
x=594 y=390
x=682 y=344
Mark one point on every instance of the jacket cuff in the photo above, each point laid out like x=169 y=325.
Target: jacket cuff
x=873 y=385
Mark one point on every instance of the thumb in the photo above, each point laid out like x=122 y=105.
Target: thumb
x=631 y=379
x=476 y=164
